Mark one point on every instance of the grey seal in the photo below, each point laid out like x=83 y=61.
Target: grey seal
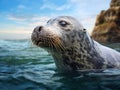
x=71 y=46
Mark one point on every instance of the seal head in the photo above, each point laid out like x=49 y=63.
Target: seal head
x=56 y=32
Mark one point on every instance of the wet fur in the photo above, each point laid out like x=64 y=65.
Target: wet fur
x=72 y=48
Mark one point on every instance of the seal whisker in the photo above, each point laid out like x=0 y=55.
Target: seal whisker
x=60 y=45
x=54 y=44
x=51 y=45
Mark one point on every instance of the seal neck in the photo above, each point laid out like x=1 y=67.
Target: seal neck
x=82 y=54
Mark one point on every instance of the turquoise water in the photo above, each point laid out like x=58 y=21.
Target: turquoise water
x=26 y=67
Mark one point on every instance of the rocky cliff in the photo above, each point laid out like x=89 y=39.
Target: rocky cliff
x=107 y=26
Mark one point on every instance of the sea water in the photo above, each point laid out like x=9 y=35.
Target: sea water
x=27 y=67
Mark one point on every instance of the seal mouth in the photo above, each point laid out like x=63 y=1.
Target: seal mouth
x=48 y=42
x=39 y=43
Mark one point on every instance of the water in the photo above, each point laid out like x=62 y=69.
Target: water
x=26 y=67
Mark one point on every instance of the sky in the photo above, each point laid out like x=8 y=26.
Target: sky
x=18 y=18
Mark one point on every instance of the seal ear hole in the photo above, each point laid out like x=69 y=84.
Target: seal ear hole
x=84 y=29
x=40 y=28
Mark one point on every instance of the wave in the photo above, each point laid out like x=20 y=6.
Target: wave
x=14 y=44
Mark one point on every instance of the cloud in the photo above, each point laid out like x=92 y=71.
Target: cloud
x=16 y=17
x=27 y=22
x=21 y=6
x=52 y=6
x=64 y=7
x=39 y=20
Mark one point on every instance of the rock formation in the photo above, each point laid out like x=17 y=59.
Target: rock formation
x=107 y=26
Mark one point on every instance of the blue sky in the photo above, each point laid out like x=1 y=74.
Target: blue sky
x=19 y=17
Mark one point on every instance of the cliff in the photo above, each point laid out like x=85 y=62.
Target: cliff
x=107 y=26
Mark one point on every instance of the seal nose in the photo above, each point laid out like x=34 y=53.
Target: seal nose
x=40 y=28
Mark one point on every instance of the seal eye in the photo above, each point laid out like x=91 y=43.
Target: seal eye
x=63 y=23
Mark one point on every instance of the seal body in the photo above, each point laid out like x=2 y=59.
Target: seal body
x=71 y=46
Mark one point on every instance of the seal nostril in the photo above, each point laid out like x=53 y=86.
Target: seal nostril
x=40 y=28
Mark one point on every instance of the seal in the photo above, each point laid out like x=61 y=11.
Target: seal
x=71 y=46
